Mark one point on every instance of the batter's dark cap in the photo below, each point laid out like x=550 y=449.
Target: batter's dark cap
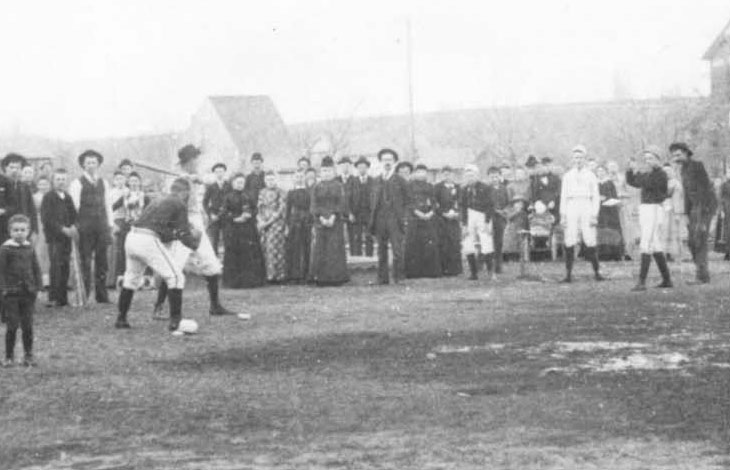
x=386 y=152
x=187 y=153
x=90 y=153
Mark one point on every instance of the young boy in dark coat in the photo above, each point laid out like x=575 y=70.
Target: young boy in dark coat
x=58 y=215
x=20 y=281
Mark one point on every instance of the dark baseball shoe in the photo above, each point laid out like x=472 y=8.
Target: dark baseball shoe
x=219 y=311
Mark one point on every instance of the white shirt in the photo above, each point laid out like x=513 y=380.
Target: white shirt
x=580 y=185
x=74 y=190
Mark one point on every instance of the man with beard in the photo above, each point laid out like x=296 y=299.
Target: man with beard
x=700 y=204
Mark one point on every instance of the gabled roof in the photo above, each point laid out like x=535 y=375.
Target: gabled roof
x=253 y=123
x=721 y=39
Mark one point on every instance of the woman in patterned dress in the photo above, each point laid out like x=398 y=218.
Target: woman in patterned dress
x=272 y=227
x=329 y=209
x=243 y=261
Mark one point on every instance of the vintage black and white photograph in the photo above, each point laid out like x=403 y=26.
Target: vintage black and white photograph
x=384 y=234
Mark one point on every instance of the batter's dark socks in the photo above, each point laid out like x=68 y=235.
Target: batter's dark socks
x=28 y=341
x=213 y=290
x=592 y=255
x=489 y=261
x=569 y=258
x=644 y=269
x=175 y=297
x=10 y=343
x=161 y=293
x=472 y=261
x=661 y=263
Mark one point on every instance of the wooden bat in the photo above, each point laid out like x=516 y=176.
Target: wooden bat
x=157 y=169
x=79 y=287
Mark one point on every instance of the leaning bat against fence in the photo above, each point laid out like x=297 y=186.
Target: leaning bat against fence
x=79 y=299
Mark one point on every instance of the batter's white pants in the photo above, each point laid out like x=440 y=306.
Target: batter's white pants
x=578 y=214
x=143 y=248
x=651 y=222
x=478 y=237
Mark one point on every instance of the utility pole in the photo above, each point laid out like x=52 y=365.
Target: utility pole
x=409 y=60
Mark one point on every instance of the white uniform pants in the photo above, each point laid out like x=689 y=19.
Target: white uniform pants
x=478 y=237
x=651 y=222
x=143 y=248
x=578 y=214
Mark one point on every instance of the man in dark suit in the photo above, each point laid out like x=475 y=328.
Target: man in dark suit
x=360 y=206
x=388 y=202
x=255 y=180
x=21 y=197
x=545 y=187
x=213 y=204
x=58 y=215
x=700 y=204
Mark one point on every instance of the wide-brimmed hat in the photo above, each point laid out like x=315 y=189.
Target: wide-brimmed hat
x=90 y=153
x=14 y=158
x=362 y=161
x=387 y=151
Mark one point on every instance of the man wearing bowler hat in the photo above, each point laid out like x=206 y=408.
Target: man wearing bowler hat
x=388 y=202
x=90 y=194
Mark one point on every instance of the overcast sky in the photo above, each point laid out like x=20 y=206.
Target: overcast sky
x=93 y=68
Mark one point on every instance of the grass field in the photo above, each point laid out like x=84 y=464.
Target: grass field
x=433 y=374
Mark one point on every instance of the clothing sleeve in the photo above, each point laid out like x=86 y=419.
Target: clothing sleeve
x=563 y=195
x=32 y=212
x=489 y=194
x=181 y=227
x=462 y=204
x=634 y=179
x=50 y=224
x=289 y=204
x=108 y=201
x=595 y=196
x=3 y=270
x=37 y=274
x=73 y=213
x=118 y=203
x=206 y=199
x=259 y=206
x=74 y=190
x=314 y=206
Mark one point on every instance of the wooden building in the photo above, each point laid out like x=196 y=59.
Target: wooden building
x=718 y=55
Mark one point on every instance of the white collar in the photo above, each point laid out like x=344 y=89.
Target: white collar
x=11 y=242
x=389 y=174
x=91 y=178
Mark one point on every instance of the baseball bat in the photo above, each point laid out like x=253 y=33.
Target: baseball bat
x=157 y=169
x=79 y=287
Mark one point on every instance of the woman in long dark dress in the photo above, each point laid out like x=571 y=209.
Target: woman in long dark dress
x=448 y=194
x=422 y=247
x=299 y=222
x=610 y=238
x=243 y=261
x=329 y=210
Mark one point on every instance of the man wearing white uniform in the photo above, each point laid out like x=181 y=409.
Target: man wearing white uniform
x=202 y=261
x=579 y=207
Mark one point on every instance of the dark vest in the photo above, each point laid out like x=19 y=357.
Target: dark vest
x=92 y=207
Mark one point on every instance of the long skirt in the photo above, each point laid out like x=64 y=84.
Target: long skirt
x=329 y=258
x=422 y=249
x=243 y=260
x=298 y=248
x=609 y=236
x=273 y=242
x=450 y=247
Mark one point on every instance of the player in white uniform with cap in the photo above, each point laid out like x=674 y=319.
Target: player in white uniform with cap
x=202 y=261
x=579 y=205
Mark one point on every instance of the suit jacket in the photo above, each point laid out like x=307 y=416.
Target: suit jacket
x=21 y=202
x=214 y=198
x=360 y=197
x=6 y=202
x=388 y=198
x=349 y=185
x=698 y=189
x=55 y=214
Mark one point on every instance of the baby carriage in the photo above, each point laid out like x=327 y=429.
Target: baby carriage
x=542 y=233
